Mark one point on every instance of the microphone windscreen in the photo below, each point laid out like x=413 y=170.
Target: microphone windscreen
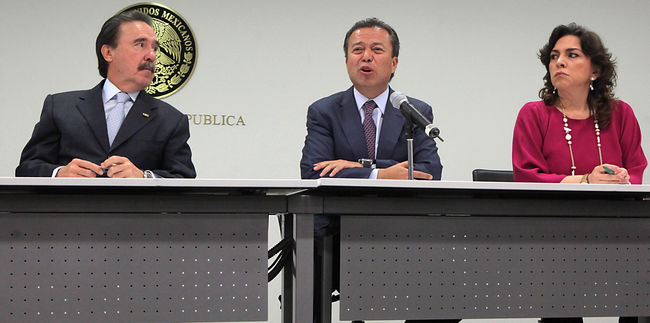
x=397 y=98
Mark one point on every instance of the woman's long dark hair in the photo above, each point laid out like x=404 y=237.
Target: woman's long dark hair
x=601 y=99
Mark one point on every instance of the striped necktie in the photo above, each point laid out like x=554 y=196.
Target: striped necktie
x=369 y=127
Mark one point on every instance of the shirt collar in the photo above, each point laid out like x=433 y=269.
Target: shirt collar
x=109 y=90
x=380 y=100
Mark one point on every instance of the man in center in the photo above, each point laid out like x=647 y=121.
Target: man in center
x=357 y=133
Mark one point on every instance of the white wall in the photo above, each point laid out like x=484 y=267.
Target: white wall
x=474 y=61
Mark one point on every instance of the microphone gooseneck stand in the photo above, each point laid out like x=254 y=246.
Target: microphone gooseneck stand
x=409 y=145
x=413 y=117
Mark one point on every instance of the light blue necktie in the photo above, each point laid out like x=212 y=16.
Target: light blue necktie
x=116 y=116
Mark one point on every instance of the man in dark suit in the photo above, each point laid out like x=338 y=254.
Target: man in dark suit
x=114 y=129
x=337 y=145
x=357 y=133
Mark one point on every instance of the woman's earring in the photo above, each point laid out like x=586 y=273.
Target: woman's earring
x=554 y=90
x=591 y=85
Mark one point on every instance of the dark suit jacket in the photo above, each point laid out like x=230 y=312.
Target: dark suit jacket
x=73 y=125
x=334 y=131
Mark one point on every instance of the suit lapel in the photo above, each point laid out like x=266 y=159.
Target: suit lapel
x=349 y=117
x=141 y=113
x=391 y=130
x=91 y=108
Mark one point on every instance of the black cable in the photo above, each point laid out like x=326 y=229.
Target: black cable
x=284 y=259
x=284 y=248
x=279 y=246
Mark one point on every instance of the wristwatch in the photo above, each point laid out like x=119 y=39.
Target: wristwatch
x=367 y=163
x=148 y=174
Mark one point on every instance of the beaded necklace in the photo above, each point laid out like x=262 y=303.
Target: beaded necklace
x=567 y=136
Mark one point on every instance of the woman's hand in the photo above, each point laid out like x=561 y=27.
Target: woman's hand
x=600 y=176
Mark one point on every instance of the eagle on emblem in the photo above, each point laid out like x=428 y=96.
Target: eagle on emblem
x=168 y=57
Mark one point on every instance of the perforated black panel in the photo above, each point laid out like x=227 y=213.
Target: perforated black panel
x=133 y=267
x=471 y=267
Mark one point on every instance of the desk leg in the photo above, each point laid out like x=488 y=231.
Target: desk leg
x=287 y=273
x=299 y=282
x=323 y=276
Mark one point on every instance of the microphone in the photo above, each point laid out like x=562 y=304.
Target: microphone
x=399 y=100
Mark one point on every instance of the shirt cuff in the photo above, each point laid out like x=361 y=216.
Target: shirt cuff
x=56 y=171
x=373 y=174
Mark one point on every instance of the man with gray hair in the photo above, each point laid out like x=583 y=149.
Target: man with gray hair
x=115 y=129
